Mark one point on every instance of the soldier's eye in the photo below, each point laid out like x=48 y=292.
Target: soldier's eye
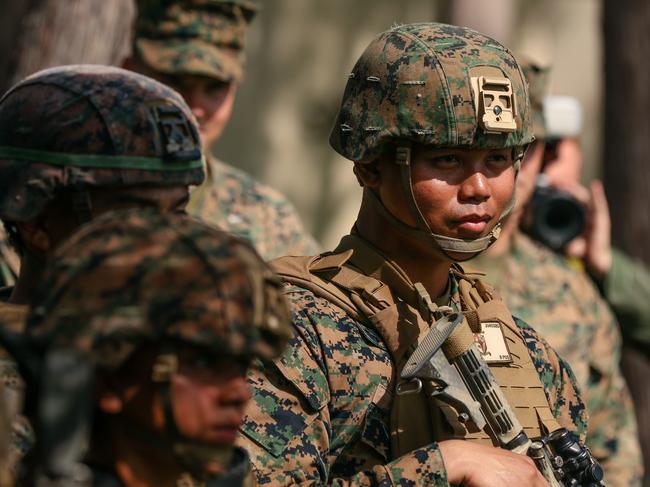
x=499 y=160
x=445 y=161
x=213 y=87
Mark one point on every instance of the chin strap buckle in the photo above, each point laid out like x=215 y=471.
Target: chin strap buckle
x=165 y=366
x=403 y=156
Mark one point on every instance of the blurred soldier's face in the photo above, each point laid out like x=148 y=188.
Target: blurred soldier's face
x=565 y=169
x=461 y=193
x=208 y=399
x=210 y=100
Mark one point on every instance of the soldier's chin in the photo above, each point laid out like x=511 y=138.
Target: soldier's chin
x=462 y=256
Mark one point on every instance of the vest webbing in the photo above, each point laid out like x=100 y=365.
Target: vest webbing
x=374 y=291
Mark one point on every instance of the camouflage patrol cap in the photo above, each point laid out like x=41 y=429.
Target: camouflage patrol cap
x=434 y=84
x=136 y=276
x=83 y=126
x=194 y=37
x=537 y=76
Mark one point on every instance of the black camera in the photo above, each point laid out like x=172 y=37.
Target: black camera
x=554 y=217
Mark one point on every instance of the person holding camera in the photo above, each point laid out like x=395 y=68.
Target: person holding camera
x=543 y=288
x=624 y=282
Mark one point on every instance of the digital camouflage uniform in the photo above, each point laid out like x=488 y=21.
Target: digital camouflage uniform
x=137 y=277
x=326 y=412
x=541 y=287
x=74 y=128
x=207 y=38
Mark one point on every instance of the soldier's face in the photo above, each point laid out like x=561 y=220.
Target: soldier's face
x=565 y=170
x=209 y=398
x=461 y=193
x=211 y=102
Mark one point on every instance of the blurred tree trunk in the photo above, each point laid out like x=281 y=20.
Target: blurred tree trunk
x=626 y=168
x=38 y=34
x=495 y=18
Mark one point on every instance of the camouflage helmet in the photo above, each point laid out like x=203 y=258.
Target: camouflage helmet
x=434 y=84
x=139 y=275
x=437 y=85
x=83 y=126
x=193 y=37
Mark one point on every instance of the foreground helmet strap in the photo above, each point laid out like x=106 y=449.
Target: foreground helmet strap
x=190 y=454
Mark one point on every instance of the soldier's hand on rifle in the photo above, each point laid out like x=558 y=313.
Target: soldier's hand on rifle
x=474 y=465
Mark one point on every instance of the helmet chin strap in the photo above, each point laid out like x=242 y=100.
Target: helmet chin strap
x=192 y=455
x=461 y=249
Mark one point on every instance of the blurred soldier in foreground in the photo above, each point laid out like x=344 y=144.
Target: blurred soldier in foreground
x=197 y=47
x=435 y=119
x=563 y=305
x=144 y=328
x=75 y=142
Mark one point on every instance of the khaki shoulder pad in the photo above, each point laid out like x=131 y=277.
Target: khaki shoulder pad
x=307 y=272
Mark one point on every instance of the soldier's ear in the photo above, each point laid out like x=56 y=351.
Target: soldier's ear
x=34 y=237
x=368 y=174
x=109 y=399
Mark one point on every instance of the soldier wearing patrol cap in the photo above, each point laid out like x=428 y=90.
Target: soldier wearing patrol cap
x=76 y=141
x=145 y=327
x=197 y=47
x=436 y=119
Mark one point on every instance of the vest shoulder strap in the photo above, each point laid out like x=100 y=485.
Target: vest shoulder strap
x=306 y=272
x=476 y=295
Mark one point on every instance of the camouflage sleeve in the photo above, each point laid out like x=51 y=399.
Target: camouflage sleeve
x=234 y=201
x=612 y=434
x=284 y=228
x=559 y=382
x=294 y=435
x=626 y=288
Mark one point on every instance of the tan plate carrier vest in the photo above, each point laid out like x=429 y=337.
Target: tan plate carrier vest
x=376 y=292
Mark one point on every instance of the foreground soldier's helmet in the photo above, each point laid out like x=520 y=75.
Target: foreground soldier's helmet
x=134 y=277
x=437 y=85
x=72 y=128
x=194 y=37
x=139 y=275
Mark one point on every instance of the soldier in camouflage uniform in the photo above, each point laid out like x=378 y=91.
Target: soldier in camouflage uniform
x=563 y=305
x=197 y=47
x=76 y=141
x=435 y=119
x=145 y=327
